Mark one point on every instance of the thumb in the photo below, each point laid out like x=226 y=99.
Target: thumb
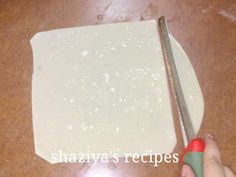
x=213 y=166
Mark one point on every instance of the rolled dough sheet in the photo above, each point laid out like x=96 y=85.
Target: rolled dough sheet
x=104 y=89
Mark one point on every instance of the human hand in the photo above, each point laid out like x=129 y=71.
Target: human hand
x=213 y=166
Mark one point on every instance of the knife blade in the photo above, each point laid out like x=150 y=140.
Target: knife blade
x=193 y=153
x=169 y=57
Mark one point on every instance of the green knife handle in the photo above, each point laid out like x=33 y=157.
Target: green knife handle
x=193 y=156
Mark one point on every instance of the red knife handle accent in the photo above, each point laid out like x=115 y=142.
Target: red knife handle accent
x=195 y=145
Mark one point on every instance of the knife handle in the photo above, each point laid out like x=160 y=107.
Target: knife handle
x=193 y=156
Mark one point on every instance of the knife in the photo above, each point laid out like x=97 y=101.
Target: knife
x=193 y=153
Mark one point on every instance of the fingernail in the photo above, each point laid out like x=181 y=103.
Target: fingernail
x=186 y=171
x=208 y=135
x=183 y=172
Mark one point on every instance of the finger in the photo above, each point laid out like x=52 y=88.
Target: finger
x=187 y=171
x=212 y=160
x=229 y=172
x=212 y=152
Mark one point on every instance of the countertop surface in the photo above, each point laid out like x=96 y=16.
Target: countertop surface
x=205 y=29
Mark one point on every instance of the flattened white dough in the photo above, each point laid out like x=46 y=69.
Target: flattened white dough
x=103 y=88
